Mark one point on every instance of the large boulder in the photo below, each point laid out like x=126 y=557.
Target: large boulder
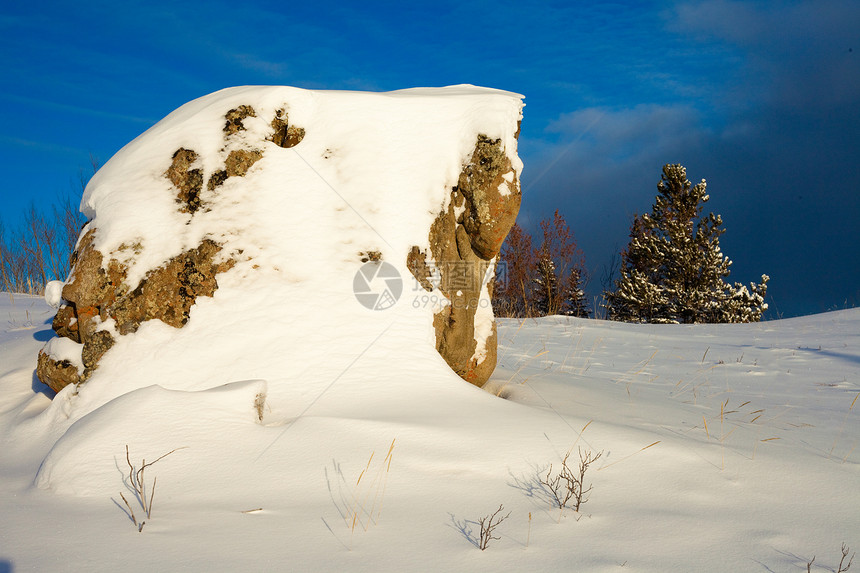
x=287 y=191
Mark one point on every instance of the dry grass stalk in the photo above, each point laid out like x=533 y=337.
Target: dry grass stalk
x=501 y=389
x=629 y=377
x=628 y=456
x=137 y=483
x=845 y=550
x=369 y=493
x=529 y=534
x=842 y=429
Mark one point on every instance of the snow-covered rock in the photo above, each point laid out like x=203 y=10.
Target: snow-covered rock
x=54 y=293
x=259 y=194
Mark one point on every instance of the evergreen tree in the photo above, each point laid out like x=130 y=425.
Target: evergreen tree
x=573 y=296
x=673 y=269
x=546 y=292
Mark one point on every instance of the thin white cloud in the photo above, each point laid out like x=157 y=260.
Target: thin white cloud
x=605 y=135
x=56 y=106
x=10 y=141
x=266 y=67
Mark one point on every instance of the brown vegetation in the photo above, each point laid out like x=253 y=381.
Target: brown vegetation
x=543 y=280
x=39 y=250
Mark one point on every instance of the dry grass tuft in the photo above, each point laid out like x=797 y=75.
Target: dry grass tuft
x=365 y=505
x=137 y=483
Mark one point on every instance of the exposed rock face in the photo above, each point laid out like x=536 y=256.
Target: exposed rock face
x=100 y=305
x=285 y=135
x=188 y=181
x=56 y=373
x=488 y=184
x=464 y=240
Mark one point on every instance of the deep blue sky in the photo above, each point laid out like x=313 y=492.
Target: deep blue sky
x=762 y=99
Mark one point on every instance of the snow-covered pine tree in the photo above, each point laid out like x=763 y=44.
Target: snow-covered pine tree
x=573 y=303
x=745 y=305
x=673 y=269
x=546 y=294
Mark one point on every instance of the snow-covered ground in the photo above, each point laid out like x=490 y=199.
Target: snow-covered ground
x=725 y=448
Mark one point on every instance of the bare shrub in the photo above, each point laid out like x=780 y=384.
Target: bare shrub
x=512 y=296
x=488 y=524
x=544 y=280
x=40 y=249
x=568 y=485
x=842 y=565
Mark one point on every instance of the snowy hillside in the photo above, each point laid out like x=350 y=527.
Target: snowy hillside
x=725 y=448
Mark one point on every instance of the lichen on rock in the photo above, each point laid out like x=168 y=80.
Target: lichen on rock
x=237 y=164
x=236 y=118
x=168 y=292
x=491 y=190
x=57 y=374
x=240 y=160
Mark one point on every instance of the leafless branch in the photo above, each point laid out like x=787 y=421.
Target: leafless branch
x=567 y=485
x=488 y=525
x=845 y=551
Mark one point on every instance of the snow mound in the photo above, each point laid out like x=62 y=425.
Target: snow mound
x=89 y=458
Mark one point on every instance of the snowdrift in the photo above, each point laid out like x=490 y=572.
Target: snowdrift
x=736 y=443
